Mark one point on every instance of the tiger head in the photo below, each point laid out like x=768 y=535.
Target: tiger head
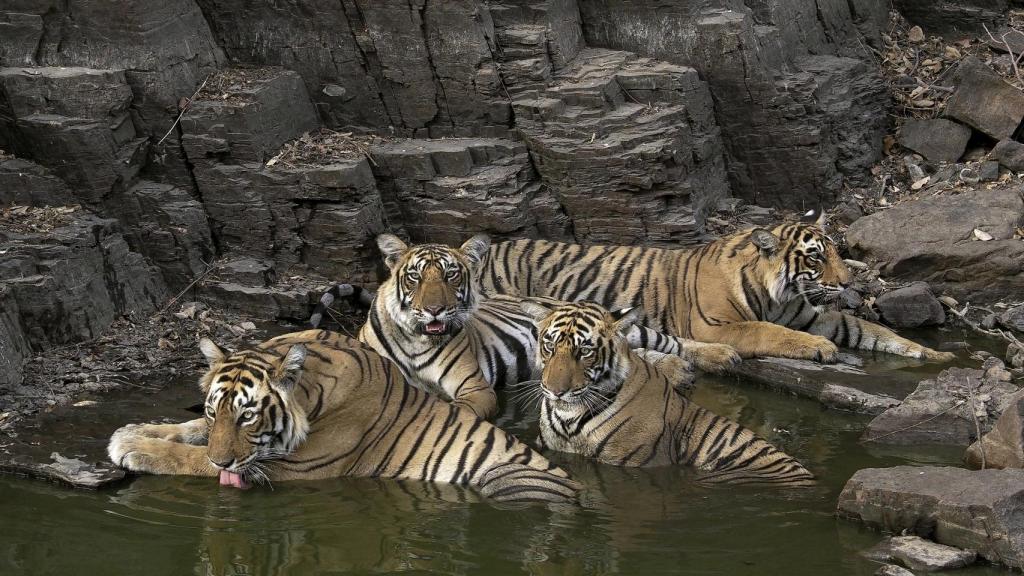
x=250 y=410
x=431 y=289
x=800 y=260
x=581 y=352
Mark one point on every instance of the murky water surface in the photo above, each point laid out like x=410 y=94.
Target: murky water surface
x=631 y=521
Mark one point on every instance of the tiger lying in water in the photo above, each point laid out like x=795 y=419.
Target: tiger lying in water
x=429 y=320
x=603 y=400
x=316 y=404
x=757 y=290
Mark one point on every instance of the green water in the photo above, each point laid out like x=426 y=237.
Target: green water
x=630 y=521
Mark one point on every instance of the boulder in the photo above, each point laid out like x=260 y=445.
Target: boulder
x=932 y=239
x=1009 y=154
x=921 y=555
x=984 y=101
x=947 y=409
x=1013 y=318
x=911 y=306
x=938 y=140
x=1003 y=447
x=974 y=510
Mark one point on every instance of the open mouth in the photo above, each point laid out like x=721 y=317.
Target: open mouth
x=228 y=478
x=435 y=327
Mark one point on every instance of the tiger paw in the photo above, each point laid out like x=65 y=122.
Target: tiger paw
x=936 y=356
x=127 y=448
x=811 y=347
x=715 y=357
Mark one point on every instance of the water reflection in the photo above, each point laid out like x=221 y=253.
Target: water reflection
x=631 y=521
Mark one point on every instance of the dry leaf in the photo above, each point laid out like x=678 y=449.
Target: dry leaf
x=920 y=183
x=916 y=34
x=923 y=103
x=982 y=235
x=952 y=53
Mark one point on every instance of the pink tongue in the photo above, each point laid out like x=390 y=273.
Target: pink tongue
x=232 y=479
x=435 y=327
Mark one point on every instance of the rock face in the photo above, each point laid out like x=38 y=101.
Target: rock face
x=938 y=140
x=798 y=108
x=1003 y=447
x=911 y=306
x=944 y=410
x=932 y=239
x=953 y=16
x=974 y=510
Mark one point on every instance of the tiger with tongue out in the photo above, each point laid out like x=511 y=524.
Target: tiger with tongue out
x=316 y=404
x=429 y=319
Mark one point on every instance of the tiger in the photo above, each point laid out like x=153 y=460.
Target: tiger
x=619 y=406
x=428 y=318
x=317 y=404
x=760 y=291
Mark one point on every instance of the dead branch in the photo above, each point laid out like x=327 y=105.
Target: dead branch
x=184 y=109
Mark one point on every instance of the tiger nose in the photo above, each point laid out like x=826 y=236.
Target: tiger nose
x=435 y=310
x=224 y=463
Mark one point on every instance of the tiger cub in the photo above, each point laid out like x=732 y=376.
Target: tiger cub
x=619 y=406
x=316 y=404
x=429 y=319
x=761 y=291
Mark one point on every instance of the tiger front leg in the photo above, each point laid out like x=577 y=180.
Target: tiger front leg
x=132 y=450
x=756 y=339
x=708 y=356
x=475 y=395
x=191 y=432
x=853 y=332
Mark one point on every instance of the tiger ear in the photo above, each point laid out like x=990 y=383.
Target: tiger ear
x=214 y=354
x=764 y=240
x=625 y=318
x=291 y=366
x=476 y=248
x=392 y=248
x=818 y=217
x=535 y=310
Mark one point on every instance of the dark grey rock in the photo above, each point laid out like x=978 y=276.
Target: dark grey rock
x=989 y=171
x=850 y=299
x=938 y=140
x=954 y=16
x=973 y=510
x=71 y=283
x=21 y=33
x=911 y=307
x=989 y=321
x=252 y=123
x=74 y=121
x=932 y=239
x=266 y=303
x=169 y=227
x=1010 y=154
x=793 y=132
x=1003 y=39
x=1015 y=356
x=14 y=348
x=27 y=183
x=1003 y=447
x=984 y=101
x=1013 y=318
x=849 y=212
x=947 y=409
x=443 y=190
